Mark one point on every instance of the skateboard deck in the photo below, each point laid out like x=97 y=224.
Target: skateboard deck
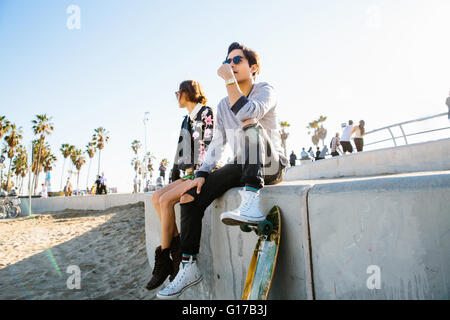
x=264 y=259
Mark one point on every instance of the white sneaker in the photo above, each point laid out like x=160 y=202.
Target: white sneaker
x=247 y=213
x=188 y=276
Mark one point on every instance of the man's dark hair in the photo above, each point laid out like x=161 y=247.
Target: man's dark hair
x=249 y=54
x=350 y=122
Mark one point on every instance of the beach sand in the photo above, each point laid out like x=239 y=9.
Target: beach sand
x=107 y=246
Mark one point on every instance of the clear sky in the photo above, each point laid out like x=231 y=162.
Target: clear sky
x=381 y=61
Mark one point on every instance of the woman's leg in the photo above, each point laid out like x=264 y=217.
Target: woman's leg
x=157 y=195
x=167 y=202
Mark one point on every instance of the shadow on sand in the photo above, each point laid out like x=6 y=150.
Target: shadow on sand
x=112 y=260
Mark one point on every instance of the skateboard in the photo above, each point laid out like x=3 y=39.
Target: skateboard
x=264 y=259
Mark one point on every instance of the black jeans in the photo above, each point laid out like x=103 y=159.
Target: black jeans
x=236 y=174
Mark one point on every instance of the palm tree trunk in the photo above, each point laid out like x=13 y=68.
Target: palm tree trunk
x=38 y=165
x=9 y=174
x=99 y=156
x=89 y=170
x=62 y=174
x=78 y=183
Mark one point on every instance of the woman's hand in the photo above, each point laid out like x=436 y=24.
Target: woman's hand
x=197 y=182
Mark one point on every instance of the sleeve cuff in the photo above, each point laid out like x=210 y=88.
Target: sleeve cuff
x=239 y=104
x=201 y=174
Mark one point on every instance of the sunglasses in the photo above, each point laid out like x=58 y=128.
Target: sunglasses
x=177 y=93
x=236 y=60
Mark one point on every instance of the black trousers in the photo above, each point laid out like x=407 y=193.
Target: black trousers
x=235 y=174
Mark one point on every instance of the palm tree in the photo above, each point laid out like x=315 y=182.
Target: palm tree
x=320 y=133
x=13 y=140
x=136 y=163
x=90 y=150
x=79 y=162
x=4 y=126
x=66 y=150
x=42 y=126
x=75 y=156
x=48 y=161
x=100 y=137
x=20 y=164
x=135 y=146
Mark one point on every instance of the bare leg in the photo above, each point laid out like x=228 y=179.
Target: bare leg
x=157 y=195
x=166 y=203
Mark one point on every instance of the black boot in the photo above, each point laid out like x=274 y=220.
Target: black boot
x=163 y=268
x=175 y=252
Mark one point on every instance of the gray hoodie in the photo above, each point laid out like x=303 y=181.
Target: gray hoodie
x=260 y=104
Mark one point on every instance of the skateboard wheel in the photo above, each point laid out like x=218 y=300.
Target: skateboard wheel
x=265 y=228
x=245 y=228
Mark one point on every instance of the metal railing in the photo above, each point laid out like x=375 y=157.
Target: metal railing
x=404 y=136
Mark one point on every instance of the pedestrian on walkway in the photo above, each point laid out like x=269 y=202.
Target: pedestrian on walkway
x=292 y=159
x=335 y=145
x=304 y=155
x=345 y=139
x=359 y=132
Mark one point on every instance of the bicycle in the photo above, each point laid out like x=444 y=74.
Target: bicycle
x=9 y=208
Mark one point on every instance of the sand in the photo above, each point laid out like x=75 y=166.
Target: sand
x=107 y=246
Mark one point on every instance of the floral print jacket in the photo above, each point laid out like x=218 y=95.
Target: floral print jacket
x=195 y=136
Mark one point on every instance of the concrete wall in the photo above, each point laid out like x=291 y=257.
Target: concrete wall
x=225 y=252
x=427 y=156
x=97 y=202
x=401 y=225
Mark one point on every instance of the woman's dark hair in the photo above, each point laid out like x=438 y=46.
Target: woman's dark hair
x=194 y=91
x=249 y=54
x=361 y=127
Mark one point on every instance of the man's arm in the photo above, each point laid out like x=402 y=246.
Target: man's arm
x=261 y=102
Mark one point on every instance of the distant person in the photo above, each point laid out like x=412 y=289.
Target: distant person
x=159 y=182
x=292 y=159
x=304 y=155
x=100 y=185
x=68 y=189
x=162 y=171
x=323 y=153
x=170 y=176
x=317 y=154
x=448 y=105
x=135 y=184
x=345 y=139
x=13 y=192
x=311 y=153
x=44 y=193
x=335 y=143
x=359 y=132
x=103 y=189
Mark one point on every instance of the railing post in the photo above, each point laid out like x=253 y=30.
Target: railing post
x=393 y=138
x=404 y=135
